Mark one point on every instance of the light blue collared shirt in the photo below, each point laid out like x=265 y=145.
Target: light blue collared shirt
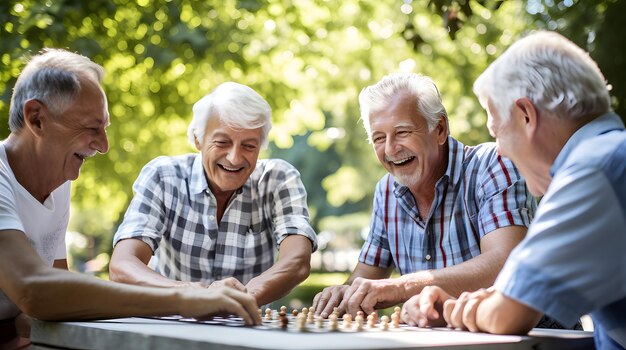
x=573 y=259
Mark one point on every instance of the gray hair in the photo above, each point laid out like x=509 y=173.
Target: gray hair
x=556 y=75
x=237 y=105
x=377 y=96
x=52 y=77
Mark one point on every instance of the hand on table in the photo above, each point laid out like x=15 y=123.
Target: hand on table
x=329 y=298
x=368 y=295
x=426 y=308
x=204 y=303
x=461 y=313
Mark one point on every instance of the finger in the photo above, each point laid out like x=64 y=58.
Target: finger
x=370 y=299
x=332 y=302
x=469 y=314
x=316 y=301
x=456 y=315
x=448 y=306
x=354 y=303
x=248 y=305
x=234 y=283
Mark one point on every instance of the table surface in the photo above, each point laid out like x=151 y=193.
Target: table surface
x=145 y=333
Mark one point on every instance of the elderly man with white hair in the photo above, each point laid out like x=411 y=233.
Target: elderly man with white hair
x=218 y=217
x=550 y=111
x=445 y=213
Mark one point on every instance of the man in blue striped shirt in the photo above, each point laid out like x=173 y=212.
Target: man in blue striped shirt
x=445 y=214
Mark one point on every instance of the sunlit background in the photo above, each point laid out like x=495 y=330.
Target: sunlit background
x=309 y=59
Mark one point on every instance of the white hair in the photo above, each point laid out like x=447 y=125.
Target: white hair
x=54 y=78
x=556 y=75
x=237 y=105
x=376 y=97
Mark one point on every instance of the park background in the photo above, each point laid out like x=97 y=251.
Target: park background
x=309 y=59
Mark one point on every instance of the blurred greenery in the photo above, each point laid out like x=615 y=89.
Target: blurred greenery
x=308 y=58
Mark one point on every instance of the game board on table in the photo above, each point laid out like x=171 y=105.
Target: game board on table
x=304 y=320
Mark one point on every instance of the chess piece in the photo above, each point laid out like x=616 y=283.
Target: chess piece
x=347 y=321
x=384 y=322
x=268 y=314
x=359 y=321
x=395 y=319
x=332 y=322
x=283 y=320
x=320 y=322
x=311 y=316
x=305 y=312
x=371 y=323
x=301 y=322
x=260 y=313
x=283 y=309
x=295 y=312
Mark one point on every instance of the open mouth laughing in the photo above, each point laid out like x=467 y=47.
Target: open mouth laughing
x=229 y=169
x=401 y=161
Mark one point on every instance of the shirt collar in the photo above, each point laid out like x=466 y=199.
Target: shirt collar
x=455 y=162
x=600 y=125
x=198 y=183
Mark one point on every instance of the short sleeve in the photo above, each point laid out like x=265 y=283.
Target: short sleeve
x=572 y=260
x=375 y=250
x=289 y=210
x=9 y=217
x=503 y=197
x=145 y=217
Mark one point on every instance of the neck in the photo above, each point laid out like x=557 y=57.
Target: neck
x=554 y=137
x=29 y=170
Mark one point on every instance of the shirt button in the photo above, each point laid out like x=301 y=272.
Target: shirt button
x=427 y=256
x=211 y=217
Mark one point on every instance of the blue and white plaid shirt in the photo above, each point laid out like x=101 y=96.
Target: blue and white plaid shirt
x=175 y=211
x=479 y=192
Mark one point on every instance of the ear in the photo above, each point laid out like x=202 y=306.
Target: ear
x=527 y=114
x=442 y=130
x=34 y=113
x=195 y=140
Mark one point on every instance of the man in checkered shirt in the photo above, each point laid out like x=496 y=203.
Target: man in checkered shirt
x=446 y=214
x=218 y=217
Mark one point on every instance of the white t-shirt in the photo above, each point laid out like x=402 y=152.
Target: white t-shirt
x=44 y=224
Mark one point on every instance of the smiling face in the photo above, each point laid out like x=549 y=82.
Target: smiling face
x=229 y=155
x=403 y=144
x=77 y=133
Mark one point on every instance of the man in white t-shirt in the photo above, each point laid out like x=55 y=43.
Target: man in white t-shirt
x=58 y=119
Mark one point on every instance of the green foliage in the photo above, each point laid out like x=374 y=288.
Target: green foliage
x=308 y=58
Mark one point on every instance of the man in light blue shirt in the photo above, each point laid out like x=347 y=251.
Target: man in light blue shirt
x=549 y=109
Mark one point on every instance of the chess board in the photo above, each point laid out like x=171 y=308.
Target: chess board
x=310 y=326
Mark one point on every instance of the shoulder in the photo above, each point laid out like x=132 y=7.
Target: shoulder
x=276 y=169
x=604 y=154
x=483 y=160
x=170 y=166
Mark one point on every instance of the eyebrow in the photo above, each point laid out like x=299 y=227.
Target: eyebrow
x=225 y=135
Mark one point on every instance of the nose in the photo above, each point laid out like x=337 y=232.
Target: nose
x=234 y=155
x=391 y=145
x=101 y=141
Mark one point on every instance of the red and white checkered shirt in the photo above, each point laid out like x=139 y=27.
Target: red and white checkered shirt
x=479 y=192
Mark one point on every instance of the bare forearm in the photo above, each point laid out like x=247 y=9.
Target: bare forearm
x=479 y=272
x=498 y=314
x=131 y=270
x=277 y=281
x=54 y=294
